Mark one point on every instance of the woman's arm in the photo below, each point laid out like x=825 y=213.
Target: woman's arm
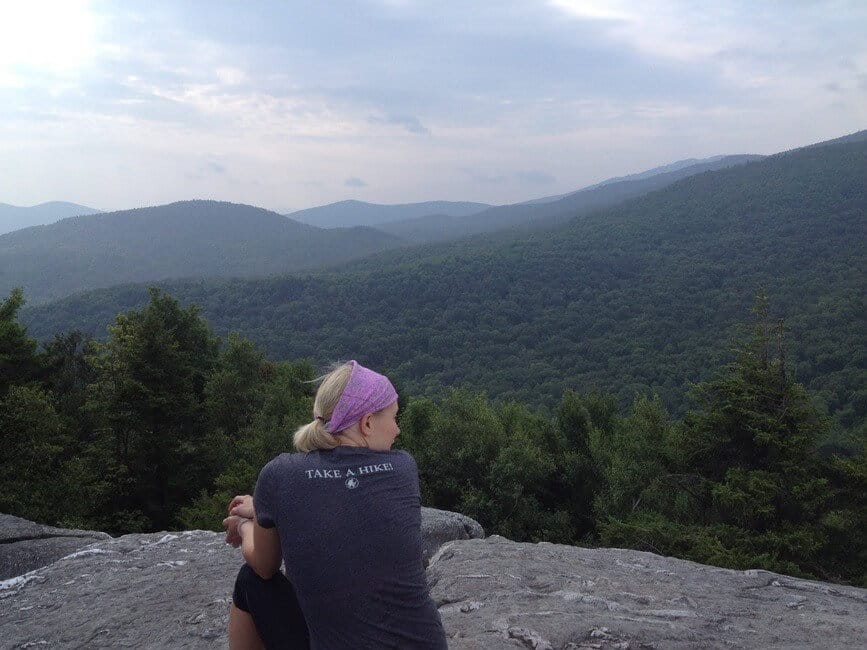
x=260 y=547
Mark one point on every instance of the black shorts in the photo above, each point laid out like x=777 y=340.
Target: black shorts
x=274 y=607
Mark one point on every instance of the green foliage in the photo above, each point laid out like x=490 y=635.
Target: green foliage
x=233 y=391
x=159 y=427
x=149 y=404
x=640 y=298
x=585 y=427
x=518 y=473
x=284 y=401
x=750 y=452
x=18 y=362
x=715 y=544
x=31 y=447
x=636 y=464
x=844 y=521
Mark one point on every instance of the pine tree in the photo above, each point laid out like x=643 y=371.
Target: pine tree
x=753 y=441
x=31 y=447
x=747 y=486
x=19 y=362
x=153 y=447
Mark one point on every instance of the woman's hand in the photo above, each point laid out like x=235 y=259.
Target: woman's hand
x=233 y=535
x=242 y=506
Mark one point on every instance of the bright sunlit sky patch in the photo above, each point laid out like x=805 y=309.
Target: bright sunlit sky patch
x=289 y=104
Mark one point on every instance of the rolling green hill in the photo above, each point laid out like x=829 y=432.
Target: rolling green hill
x=636 y=298
x=186 y=239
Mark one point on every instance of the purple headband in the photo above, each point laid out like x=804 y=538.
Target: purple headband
x=366 y=392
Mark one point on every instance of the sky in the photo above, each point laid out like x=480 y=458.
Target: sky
x=288 y=105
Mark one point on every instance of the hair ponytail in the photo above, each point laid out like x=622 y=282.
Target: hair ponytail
x=314 y=435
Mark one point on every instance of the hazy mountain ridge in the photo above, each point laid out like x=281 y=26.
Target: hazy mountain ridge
x=358 y=213
x=184 y=239
x=656 y=171
x=436 y=220
x=636 y=298
x=858 y=136
x=603 y=195
x=14 y=217
x=208 y=239
x=682 y=164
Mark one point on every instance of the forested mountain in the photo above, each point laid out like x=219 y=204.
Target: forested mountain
x=858 y=136
x=357 y=213
x=550 y=212
x=703 y=164
x=663 y=169
x=209 y=239
x=441 y=220
x=191 y=239
x=13 y=217
x=639 y=298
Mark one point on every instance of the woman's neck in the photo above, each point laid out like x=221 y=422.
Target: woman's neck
x=352 y=438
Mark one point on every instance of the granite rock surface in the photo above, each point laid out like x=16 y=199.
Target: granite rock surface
x=167 y=590
x=25 y=545
x=495 y=593
x=157 y=590
x=441 y=526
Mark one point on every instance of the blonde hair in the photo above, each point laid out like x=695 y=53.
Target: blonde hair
x=314 y=435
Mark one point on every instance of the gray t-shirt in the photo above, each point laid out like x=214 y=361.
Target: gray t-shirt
x=349 y=522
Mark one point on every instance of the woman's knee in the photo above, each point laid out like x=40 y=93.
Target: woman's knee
x=247 y=576
x=246 y=581
x=251 y=588
x=273 y=607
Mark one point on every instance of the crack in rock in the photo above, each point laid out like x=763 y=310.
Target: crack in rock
x=529 y=638
x=31 y=538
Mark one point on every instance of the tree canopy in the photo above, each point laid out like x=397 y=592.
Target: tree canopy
x=162 y=423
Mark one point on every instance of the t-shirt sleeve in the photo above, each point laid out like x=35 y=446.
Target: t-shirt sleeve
x=412 y=471
x=263 y=497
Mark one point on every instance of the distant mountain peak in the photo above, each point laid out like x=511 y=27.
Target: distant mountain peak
x=352 y=212
x=184 y=239
x=14 y=217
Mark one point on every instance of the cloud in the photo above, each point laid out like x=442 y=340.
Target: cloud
x=408 y=122
x=230 y=76
x=208 y=170
x=535 y=177
x=485 y=178
x=354 y=181
x=508 y=95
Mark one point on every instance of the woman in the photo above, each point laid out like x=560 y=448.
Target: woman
x=344 y=516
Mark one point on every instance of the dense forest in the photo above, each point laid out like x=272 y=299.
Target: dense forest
x=157 y=425
x=642 y=298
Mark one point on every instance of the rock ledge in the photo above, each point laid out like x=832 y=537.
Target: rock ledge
x=173 y=590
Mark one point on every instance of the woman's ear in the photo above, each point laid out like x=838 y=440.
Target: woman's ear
x=365 y=424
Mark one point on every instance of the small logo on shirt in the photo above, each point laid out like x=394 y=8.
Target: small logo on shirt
x=351 y=483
